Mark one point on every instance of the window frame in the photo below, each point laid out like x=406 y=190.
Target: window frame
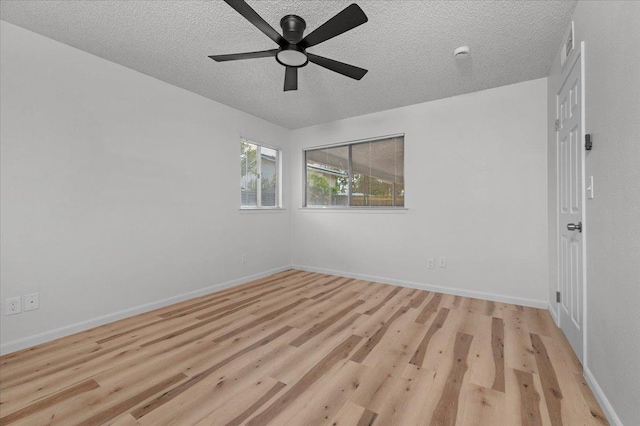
x=278 y=189
x=349 y=145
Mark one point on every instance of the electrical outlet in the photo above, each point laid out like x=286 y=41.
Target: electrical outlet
x=12 y=306
x=430 y=263
x=31 y=301
x=243 y=258
x=442 y=262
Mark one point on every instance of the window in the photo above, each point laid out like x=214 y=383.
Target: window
x=259 y=176
x=358 y=174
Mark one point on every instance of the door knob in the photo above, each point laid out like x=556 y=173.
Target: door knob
x=574 y=226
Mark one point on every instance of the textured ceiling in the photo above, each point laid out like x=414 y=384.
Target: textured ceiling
x=407 y=46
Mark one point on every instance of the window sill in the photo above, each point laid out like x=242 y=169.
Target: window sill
x=262 y=210
x=357 y=210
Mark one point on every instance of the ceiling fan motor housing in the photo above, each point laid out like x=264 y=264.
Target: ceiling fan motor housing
x=292 y=28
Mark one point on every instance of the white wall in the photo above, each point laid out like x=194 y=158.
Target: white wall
x=475 y=170
x=118 y=190
x=612 y=104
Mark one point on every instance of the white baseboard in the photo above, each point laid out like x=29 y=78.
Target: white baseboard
x=47 y=336
x=553 y=313
x=541 y=304
x=602 y=398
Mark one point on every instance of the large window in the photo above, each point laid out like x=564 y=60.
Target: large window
x=259 y=176
x=359 y=174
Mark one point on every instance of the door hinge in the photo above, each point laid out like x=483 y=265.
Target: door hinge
x=558 y=296
x=557 y=125
x=587 y=142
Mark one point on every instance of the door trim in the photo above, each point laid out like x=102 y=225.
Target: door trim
x=578 y=55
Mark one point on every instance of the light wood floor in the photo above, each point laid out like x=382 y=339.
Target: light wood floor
x=301 y=348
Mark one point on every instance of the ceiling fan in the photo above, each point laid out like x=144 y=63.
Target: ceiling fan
x=292 y=47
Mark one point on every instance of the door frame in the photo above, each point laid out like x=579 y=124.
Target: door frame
x=578 y=55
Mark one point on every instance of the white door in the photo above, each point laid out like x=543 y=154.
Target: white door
x=570 y=205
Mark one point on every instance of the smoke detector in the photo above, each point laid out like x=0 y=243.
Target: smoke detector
x=461 y=52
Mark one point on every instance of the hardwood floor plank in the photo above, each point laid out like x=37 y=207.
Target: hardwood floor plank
x=334 y=289
x=131 y=330
x=304 y=290
x=122 y=407
x=373 y=294
x=490 y=308
x=431 y=308
x=482 y=364
x=372 y=323
x=550 y=386
x=529 y=399
x=340 y=352
x=56 y=368
x=497 y=345
x=319 y=327
x=319 y=310
x=337 y=290
x=374 y=389
x=518 y=353
x=11 y=372
x=56 y=398
x=172 y=393
x=257 y=405
x=326 y=398
x=125 y=420
x=10 y=375
x=475 y=306
x=438 y=322
x=481 y=406
x=389 y=296
x=194 y=307
x=368 y=418
x=402 y=404
x=231 y=306
x=204 y=323
x=202 y=414
x=225 y=394
x=349 y=415
x=371 y=343
x=418 y=299
x=447 y=410
x=292 y=368
x=457 y=301
x=539 y=322
x=394 y=352
x=259 y=321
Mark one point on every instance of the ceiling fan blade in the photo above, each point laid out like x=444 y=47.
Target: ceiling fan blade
x=351 y=17
x=291 y=79
x=248 y=55
x=336 y=66
x=245 y=10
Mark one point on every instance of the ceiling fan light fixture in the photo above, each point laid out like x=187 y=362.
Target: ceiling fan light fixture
x=292 y=56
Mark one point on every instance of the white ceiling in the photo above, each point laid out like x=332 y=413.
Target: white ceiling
x=407 y=46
